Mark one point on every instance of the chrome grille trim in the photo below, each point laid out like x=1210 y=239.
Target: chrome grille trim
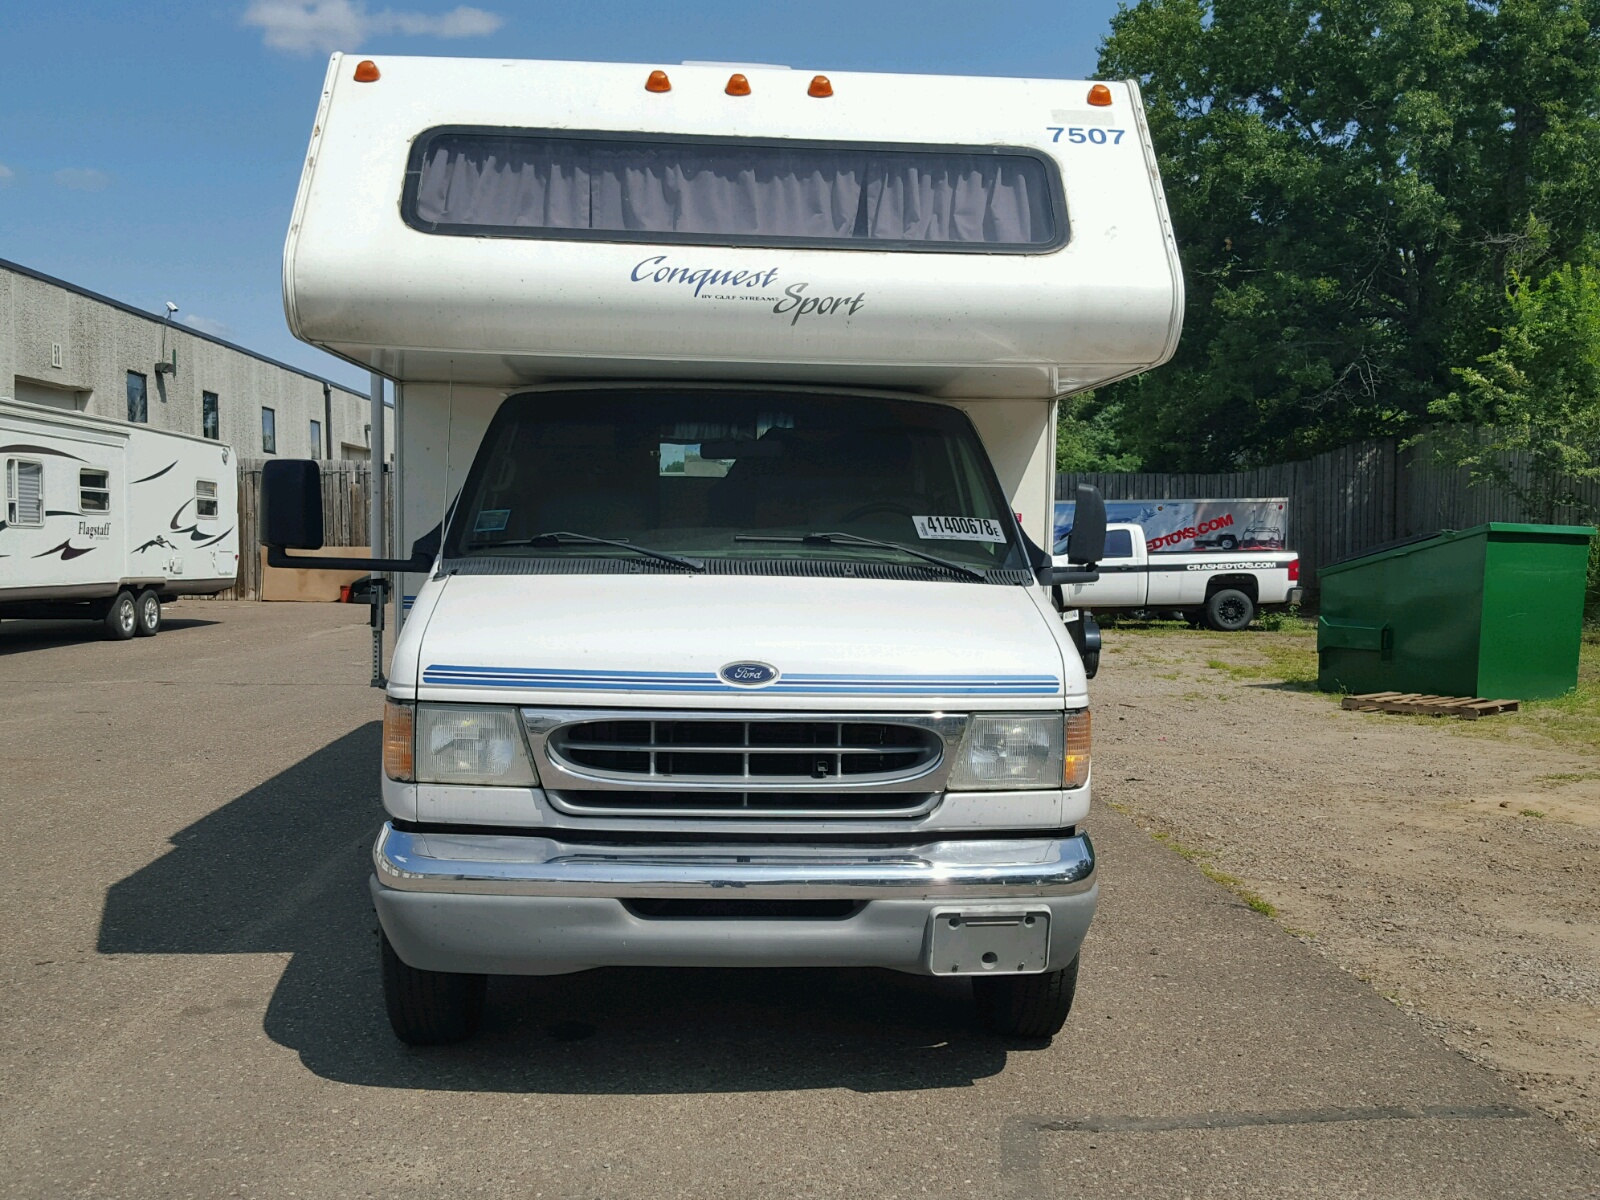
x=748 y=805
x=932 y=737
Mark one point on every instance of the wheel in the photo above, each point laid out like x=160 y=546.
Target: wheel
x=147 y=609
x=1229 y=610
x=1228 y=542
x=429 y=1008
x=122 y=620
x=1027 y=1006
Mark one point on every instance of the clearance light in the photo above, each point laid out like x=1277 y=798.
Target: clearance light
x=820 y=86
x=658 y=82
x=1100 y=96
x=366 y=71
x=398 y=755
x=738 y=85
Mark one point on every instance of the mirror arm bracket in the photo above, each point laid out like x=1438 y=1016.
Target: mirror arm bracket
x=279 y=557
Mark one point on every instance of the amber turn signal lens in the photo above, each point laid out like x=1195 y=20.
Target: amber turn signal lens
x=820 y=86
x=366 y=71
x=738 y=85
x=399 y=722
x=1075 y=769
x=1100 y=95
x=658 y=82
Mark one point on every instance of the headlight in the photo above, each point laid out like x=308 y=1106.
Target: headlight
x=468 y=744
x=1006 y=751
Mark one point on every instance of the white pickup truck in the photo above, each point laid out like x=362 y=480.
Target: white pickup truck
x=1222 y=591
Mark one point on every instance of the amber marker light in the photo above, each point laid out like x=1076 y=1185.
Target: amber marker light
x=1075 y=762
x=658 y=82
x=366 y=71
x=738 y=85
x=1100 y=96
x=820 y=86
x=399 y=721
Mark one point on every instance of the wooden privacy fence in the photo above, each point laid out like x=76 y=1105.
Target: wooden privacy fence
x=346 y=511
x=1350 y=499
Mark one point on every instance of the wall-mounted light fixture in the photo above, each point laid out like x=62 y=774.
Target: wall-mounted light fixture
x=166 y=366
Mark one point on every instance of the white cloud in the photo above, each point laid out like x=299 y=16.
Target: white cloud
x=82 y=179
x=7 y=176
x=308 y=26
x=209 y=325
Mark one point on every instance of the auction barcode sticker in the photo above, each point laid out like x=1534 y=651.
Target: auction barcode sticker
x=959 y=529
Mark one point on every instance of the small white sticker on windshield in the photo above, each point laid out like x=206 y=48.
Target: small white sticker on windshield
x=959 y=529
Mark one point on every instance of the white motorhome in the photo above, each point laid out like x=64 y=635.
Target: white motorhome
x=734 y=393
x=106 y=520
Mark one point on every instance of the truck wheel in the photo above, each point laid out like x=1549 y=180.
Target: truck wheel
x=429 y=1008
x=147 y=608
x=1229 y=610
x=1026 y=1006
x=122 y=620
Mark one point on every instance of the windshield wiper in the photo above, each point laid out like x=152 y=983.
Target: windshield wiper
x=855 y=539
x=563 y=537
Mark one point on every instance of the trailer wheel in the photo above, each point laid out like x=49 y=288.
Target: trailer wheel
x=122 y=619
x=1026 y=1006
x=429 y=1008
x=1228 y=610
x=147 y=607
x=1228 y=542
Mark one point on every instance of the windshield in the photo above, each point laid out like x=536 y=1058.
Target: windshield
x=734 y=475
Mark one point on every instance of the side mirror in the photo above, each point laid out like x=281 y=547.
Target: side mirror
x=291 y=519
x=291 y=504
x=1087 y=542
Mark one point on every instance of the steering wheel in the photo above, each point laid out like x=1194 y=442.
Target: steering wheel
x=876 y=506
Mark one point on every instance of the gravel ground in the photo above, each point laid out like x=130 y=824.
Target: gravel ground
x=1452 y=865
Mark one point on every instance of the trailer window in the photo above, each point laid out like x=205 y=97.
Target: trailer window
x=733 y=191
x=94 y=491
x=24 y=492
x=205 y=500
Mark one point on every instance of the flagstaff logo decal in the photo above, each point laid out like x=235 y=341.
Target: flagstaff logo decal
x=749 y=674
x=751 y=284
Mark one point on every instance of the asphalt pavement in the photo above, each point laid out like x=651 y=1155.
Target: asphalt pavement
x=192 y=1007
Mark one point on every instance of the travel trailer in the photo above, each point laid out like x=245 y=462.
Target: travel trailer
x=106 y=520
x=726 y=403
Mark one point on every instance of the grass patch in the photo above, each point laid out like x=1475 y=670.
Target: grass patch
x=1233 y=883
x=1286 y=662
x=1530 y=812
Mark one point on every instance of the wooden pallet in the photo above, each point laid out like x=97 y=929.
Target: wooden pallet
x=1467 y=707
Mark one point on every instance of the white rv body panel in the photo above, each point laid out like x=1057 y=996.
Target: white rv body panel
x=414 y=305
x=151 y=534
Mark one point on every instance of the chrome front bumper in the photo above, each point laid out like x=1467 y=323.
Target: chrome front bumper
x=496 y=865
x=508 y=905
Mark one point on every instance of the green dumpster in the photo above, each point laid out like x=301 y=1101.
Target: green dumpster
x=1493 y=611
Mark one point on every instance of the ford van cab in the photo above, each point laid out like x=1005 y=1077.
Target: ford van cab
x=726 y=405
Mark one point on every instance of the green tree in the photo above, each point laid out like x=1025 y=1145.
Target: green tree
x=1353 y=183
x=1535 y=396
x=1086 y=436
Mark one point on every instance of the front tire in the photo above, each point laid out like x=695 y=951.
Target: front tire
x=147 y=610
x=122 y=618
x=429 y=1008
x=1026 y=1006
x=1229 y=610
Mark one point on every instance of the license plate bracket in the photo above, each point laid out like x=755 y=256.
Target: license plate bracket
x=989 y=941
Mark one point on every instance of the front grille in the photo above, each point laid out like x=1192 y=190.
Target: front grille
x=732 y=803
x=766 y=753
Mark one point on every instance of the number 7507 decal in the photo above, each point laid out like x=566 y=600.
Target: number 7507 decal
x=1094 y=133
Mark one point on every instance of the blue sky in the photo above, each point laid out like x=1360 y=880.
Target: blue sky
x=151 y=150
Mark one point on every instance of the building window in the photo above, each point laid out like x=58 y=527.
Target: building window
x=210 y=421
x=269 y=431
x=316 y=439
x=205 y=499
x=94 y=491
x=138 y=400
x=24 y=492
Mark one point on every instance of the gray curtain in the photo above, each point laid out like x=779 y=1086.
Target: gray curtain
x=536 y=183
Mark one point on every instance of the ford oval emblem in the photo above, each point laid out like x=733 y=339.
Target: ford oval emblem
x=749 y=674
